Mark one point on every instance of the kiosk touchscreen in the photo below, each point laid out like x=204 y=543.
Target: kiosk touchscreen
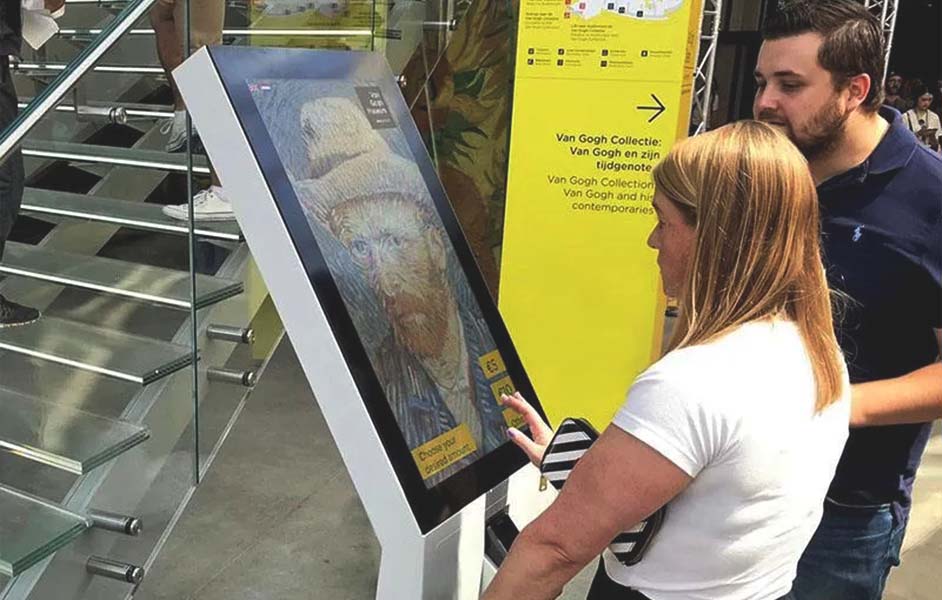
x=398 y=336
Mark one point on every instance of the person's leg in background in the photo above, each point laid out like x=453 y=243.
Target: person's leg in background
x=206 y=23
x=851 y=553
x=11 y=194
x=170 y=52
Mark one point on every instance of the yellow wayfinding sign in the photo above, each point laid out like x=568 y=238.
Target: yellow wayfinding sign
x=602 y=91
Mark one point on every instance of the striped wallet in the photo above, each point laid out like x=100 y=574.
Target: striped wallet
x=572 y=440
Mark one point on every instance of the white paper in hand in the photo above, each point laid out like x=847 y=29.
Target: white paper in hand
x=38 y=27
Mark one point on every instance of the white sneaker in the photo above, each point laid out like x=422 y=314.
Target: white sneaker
x=176 y=127
x=208 y=205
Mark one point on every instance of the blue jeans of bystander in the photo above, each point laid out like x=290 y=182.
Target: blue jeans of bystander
x=851 y=553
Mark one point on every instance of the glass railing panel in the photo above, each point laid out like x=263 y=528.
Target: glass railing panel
x=54 y=69
x=40 y=67
x=163 y=483
x=121 y=108
x=463 y=113
x=337 y=24
x=31 y=529
x=227 y=368
x=424 y=31
x=62 y=437
x=243 y=364
x=93 y=240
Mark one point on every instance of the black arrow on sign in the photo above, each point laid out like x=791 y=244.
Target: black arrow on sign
x=659 y=109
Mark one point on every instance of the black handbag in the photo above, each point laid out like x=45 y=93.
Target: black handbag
x=571 y=441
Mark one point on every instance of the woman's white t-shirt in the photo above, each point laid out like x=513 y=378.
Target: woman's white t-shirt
x=737 y=415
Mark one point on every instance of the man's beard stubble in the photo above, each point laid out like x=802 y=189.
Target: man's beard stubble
x=824 y=132
x=419 y=324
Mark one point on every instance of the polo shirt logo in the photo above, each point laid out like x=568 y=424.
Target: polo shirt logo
x=858 y=233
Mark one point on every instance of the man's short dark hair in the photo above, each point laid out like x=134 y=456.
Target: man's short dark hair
x=853 y=39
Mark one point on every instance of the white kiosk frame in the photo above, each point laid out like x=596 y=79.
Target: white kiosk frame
x=446 y=562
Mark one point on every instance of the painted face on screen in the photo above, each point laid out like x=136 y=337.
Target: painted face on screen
x=674 y=240
x=403 y=259
x=795 y=93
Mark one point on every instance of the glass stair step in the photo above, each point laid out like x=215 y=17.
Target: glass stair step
x=60 y=436
x=165 y=287
x=135 y=215
x=113 y=155
x=111 y=353
x=32 y=529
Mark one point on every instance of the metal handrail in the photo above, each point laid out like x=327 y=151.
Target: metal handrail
x=60 y=86
x=114 y=161
x=52 y=66
x=245 y=32
x=111 y=2
x=131 y=110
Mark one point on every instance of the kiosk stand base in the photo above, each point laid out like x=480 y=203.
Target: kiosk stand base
x=459 y=558
x=499 y=535
x=444 y=564
x=512 y=505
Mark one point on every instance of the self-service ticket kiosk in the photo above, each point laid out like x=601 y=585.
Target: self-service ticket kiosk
x=398 y=337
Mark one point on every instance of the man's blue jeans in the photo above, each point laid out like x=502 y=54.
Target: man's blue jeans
x=851 y=553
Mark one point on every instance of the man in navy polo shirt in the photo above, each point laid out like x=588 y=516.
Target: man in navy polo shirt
x=818 y=76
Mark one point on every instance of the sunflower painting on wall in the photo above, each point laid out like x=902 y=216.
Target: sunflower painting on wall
x=463 y=114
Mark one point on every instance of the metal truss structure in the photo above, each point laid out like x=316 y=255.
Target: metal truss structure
x=885 y=11
x=706 y=60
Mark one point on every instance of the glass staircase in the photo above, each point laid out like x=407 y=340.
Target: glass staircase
x=117 y=399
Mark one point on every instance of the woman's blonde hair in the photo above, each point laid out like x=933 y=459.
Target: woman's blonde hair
x=749 y=193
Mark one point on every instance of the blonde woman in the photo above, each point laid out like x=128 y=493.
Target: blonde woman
x=740 y=425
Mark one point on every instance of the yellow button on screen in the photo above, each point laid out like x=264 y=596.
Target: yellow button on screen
x=513 y=418
x=502 y=386
x=492 y=364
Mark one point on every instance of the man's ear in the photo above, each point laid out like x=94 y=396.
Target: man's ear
x=858 y=88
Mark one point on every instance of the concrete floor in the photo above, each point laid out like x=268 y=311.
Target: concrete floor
x=277 y=516
x=920 y=576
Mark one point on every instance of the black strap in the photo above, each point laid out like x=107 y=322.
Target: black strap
x=560 y=458
x=605 y=588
